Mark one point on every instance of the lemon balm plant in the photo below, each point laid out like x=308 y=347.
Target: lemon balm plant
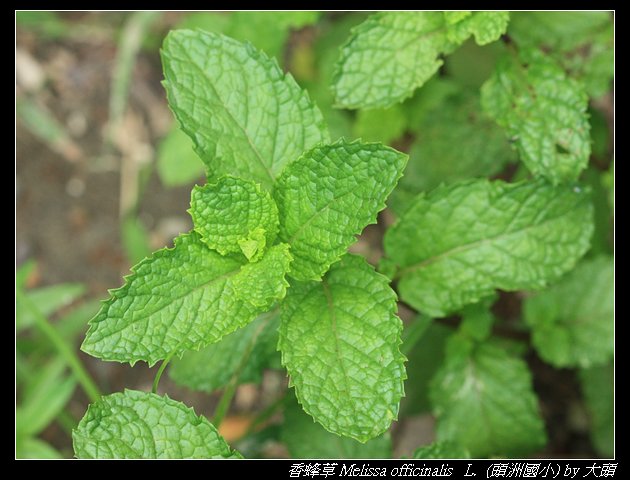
x=267 y=266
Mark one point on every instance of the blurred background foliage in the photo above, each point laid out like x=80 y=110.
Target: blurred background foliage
x=103 y=179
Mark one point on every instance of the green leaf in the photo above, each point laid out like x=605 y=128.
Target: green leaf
x=234 y=215
x=23 y=272
x=243 y=353
x=245 y=116
x=439 y=450
x=184 y=298
x=543 y=112
x=387 y=57
x=582 y=42
x=48 y=300
x=432 y=158
x=484 y=401
x=459 y=243
x=599 y=393
x=177 y=162
x=44 y=397
x=392 y=53
x=573 y=321
x=486 y=27
x=306 y=439
x=340 y=340
x=383 y=125
x=423 y=361
x=477 y=319
x=328 y=196
x=135 y=424
x=267 y=31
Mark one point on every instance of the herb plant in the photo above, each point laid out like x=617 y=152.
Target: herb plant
x=267 y=263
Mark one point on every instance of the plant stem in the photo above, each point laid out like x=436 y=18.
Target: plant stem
x=158 y=375
x=63 y=348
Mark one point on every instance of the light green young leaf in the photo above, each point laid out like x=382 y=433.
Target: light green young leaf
x=306 y=439
x=598 y=387
x=234 y=215
x=486 y=27
x=340 y=340
x=459 y=243
x=572 y=322
x=392 y=53
x=136 y=424
x=245 y=116
x=543 y=112
x=477 y=319
x=439 y=450
x=177 y=162
x=244 y=352
x=184 y=298
x=328 y=196
x=484 y=402
x=387 y=57
x=457 y=120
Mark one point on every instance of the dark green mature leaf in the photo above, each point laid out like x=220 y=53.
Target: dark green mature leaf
x=339 y=340
x=598 y=387
x=184 y=298
x=234 y=215
x=543 y=112
x=328 y=196
x=243 y=353
x=423 y=361
x=306 y=439
x=245 y=116
x=392 y=53
x=459 y=243
x=573 y=321
x=144 y=425
x=483 y=400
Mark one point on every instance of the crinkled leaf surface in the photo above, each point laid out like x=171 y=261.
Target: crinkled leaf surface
x=432 y=158
x=136 y=424
x=328 y=196
x=306 y=439
x=572 y=321
x=184 y=298
x=543 y=112
x=392 y=53
x=243 y=353
x=234 y=215
x=484 y=401
x=245 y=116
x=340 y=340
x=459 y=243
